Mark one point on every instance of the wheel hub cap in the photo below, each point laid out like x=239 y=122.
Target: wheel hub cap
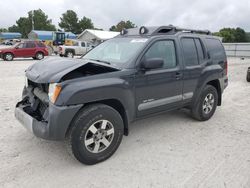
x=208 y=103
x=99 y=136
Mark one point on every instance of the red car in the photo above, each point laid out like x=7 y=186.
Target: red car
x=35 y=49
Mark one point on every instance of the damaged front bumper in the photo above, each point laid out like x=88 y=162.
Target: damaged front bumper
x=56 y=123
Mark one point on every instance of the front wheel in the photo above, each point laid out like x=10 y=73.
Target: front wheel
x=95 y=134
x=206 y=105
x=8 y=57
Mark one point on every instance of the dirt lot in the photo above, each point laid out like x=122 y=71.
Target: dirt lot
x=168 y=150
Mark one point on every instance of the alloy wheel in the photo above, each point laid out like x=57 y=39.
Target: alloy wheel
x=99 y=136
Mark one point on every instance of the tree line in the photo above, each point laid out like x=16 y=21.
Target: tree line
x=233 y=35
x=69 y=21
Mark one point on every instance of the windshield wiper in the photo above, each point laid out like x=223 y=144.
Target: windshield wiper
x=101 y=61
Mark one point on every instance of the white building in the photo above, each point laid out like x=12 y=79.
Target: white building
x=96 y=36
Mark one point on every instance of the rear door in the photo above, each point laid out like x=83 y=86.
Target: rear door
x=30 y=49
x=194 y=59
x=83 y=48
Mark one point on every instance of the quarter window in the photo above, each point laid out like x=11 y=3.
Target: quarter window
x=165 y=50
x=215 y=49
x=190 y=52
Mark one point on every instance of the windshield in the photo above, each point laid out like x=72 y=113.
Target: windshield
x=117 y=51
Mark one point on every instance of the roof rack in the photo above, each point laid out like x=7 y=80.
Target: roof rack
x=168 y=30
x=173 y=29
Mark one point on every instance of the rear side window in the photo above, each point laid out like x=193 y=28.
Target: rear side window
x=215 y=49
x=40 y=44
x=200 y=50
x=30 y=45
x=190 y=52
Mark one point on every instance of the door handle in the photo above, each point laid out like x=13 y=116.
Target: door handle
x=178 y=75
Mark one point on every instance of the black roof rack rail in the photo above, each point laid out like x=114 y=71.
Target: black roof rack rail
x=207 y=32
x=172 y=29
x=161 y=30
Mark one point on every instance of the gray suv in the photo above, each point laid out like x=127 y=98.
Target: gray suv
x=91 y=101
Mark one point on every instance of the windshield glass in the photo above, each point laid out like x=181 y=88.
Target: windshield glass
x=116 y=51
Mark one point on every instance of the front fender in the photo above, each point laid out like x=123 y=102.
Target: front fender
x=90 y=91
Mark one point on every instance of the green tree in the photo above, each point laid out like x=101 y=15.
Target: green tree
x=122 y=25
x=24 y=26
x=3 y=30
x=40 y=20
x=240 y=35
x=85 y=23
x=69 y=21
x=14 y=28
x=232 y=35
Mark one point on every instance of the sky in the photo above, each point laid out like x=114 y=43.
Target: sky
x=196 y=14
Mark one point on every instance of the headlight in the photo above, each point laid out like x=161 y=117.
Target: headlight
x=54 y=91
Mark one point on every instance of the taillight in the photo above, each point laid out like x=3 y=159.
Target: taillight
x=226 y=67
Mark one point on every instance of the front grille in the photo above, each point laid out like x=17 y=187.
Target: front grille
x=39 y=107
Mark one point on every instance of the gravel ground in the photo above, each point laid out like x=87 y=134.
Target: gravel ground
x=168 y=150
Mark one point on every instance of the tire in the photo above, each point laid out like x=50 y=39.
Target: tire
x=206 y=105
x=69 y=54
x=8 y=57
x=39 y=56
x=248 y=75
x=88 y=141
x=34 y=58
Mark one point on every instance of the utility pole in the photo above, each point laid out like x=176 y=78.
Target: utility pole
x=32 y=20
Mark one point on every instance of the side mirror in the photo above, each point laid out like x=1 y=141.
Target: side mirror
x=17 y=47
x=152 y=63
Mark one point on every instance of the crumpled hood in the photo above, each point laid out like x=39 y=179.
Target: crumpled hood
x=52 y=69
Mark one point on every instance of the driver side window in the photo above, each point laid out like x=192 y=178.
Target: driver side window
x=164 y=50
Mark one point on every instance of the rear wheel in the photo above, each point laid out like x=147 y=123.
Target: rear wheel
x=70 y=54
x=96 y=133
x=206 y=104
x=8 y=57
x=39 y=55
x=248 y=74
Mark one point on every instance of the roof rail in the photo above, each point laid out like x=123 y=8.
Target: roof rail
x=173 y=29
x=207 y=32
x=161 y=30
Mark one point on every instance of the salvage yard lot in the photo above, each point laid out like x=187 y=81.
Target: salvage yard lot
x=166 y=150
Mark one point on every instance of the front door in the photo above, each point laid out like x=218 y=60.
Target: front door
x=159 y=89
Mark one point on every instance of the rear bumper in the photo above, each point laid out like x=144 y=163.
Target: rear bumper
x=55 y=128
